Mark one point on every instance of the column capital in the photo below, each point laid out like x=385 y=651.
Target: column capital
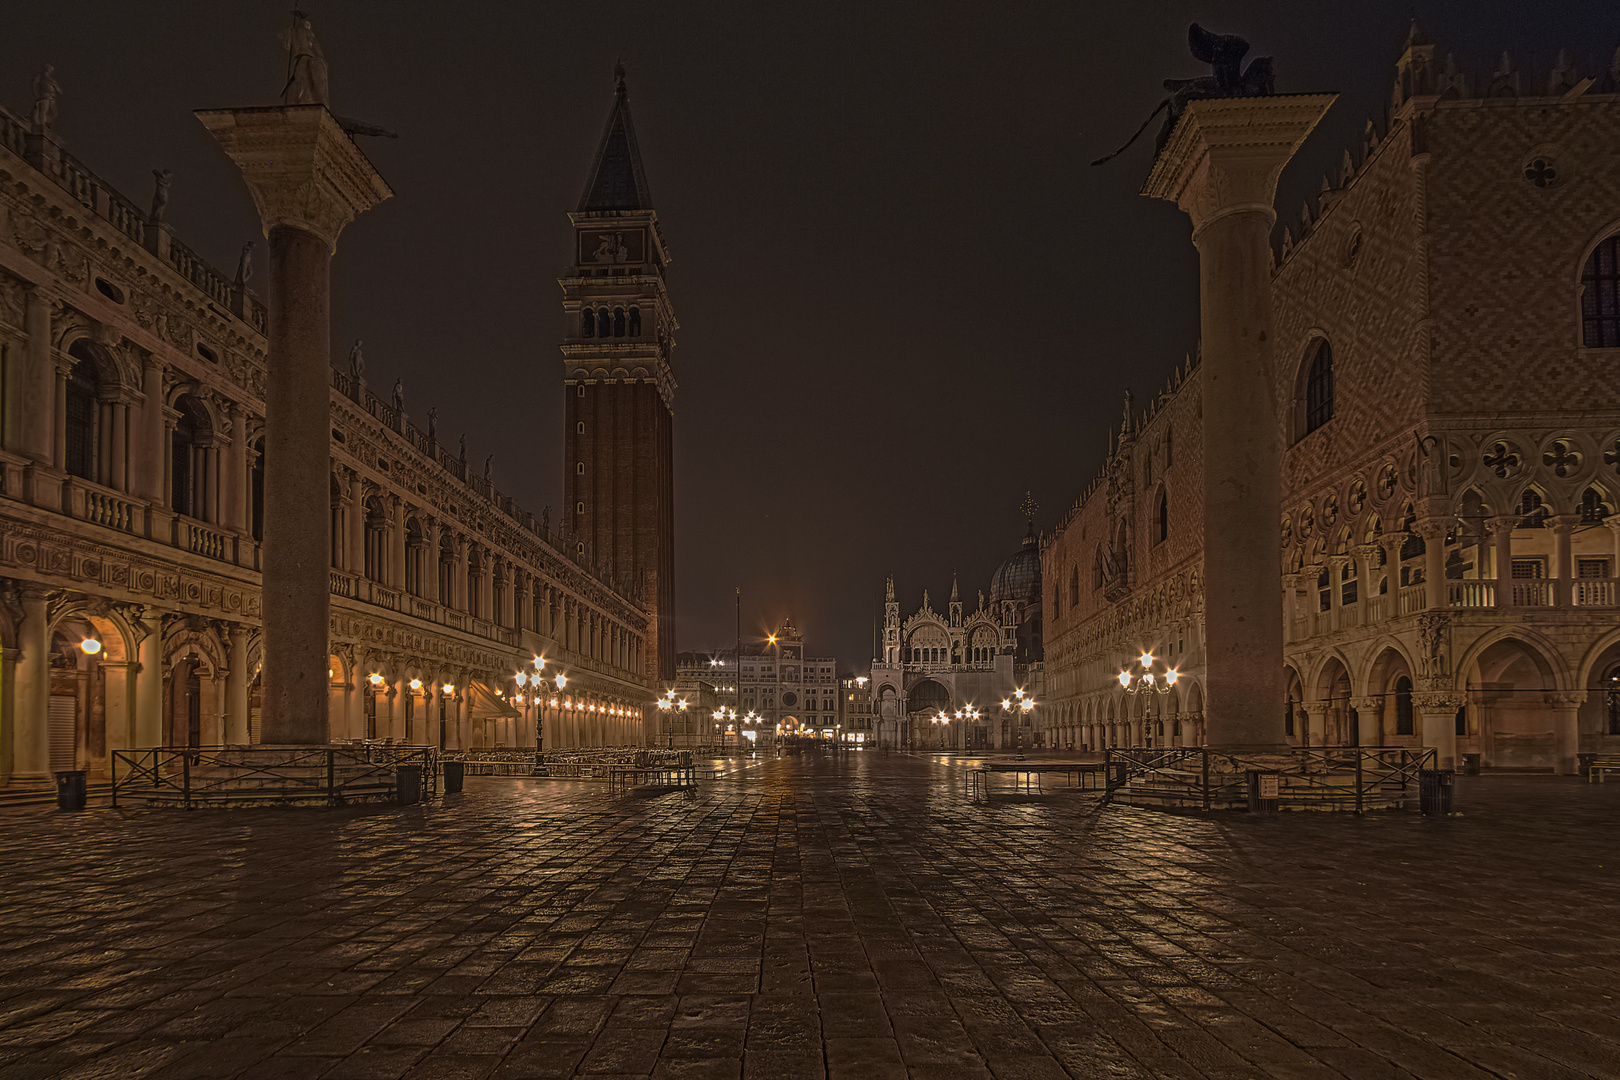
x=1225 y=154
x=1563 y=523
x=1434 y=529
x=1566 y=699
x=1439 y=700
x=1497 y=525
x=302 y=168
x=1366 y=704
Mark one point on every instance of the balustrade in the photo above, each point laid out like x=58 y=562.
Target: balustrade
x=1471 y=594
x=1532 y=593
x=1594 y=592
x=103 y=506
x=1377 y=608
x=1413 y=598
x=210 y=543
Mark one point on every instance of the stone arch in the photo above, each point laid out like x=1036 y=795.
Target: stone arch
x=1308 y=404
x=1589 y=250
x=1386 y=653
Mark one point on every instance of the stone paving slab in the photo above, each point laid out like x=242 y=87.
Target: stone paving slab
x=813 y=917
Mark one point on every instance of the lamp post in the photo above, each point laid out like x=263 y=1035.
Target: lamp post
x=722 y=714
x=966 y=712
x=1022 y=708
x=1147 y=681
x=938 y=719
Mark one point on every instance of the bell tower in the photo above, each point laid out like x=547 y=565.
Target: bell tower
x=618 y=332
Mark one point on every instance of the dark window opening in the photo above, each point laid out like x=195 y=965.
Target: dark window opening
x=1403 y=706
x=1319 y=388
x=1600 y=296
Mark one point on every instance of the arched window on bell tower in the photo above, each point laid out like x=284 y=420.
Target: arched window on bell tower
x=618 y=322
x=587 y=321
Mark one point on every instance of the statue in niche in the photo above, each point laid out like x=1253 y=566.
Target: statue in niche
x=160 y=194
x=306 y=67
x=1228 y=78
x=244 y=265
x=399 y=395
x=46 y=91
x=357 y=362
x=433 y=424
x=1432 y=465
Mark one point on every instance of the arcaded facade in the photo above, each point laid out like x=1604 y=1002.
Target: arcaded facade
x=130 y=520
x=1447 y=374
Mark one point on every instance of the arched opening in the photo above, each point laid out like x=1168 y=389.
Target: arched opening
x=1314 y=400
x=1600 y=296
x=447 y=570
x=189 y=443
x=1507 y=685
x=415 y=555
x=376 y=549
x=82 y=418
x=1161 y=514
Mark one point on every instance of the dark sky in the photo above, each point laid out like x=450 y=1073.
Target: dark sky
x=905 y=298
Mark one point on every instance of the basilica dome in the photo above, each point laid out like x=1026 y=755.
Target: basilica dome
x=1019 y=578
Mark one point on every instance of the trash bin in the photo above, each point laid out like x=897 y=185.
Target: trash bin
x=1470 y=764
x=1265 y=788
x=408 y=784
x=1434 y=790
x=70 y=790
x=453 y=773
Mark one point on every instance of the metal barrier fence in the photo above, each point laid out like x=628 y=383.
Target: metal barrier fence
x=1340 y=778
x=217 y=775
x=592 y=763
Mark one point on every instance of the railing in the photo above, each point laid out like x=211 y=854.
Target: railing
x=1471 y=594
x=1377 y=607
x=1536 y=593
x=191 y=267
x=342 y=584
x=203 y=776
x=423 y=609
x=1339 y=778
x=13 y=134
x=103 y=506
x=1594 y=592
x=1413 y=598
x=209 y=543
x=384 y=597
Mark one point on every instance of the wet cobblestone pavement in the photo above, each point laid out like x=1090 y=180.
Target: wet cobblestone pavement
x=808 y=918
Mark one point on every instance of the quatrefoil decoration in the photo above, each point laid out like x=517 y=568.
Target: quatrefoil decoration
x=1611 y=456
x=1503 y=459
x=1386 y=481
x=1562 y=458
x=1358 y=497
x=1330 y=510
x=1541 y=172
x=1287 y=531
x=1307 y=523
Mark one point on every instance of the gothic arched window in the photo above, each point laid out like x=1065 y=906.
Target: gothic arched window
x=618 y=322
x=1593 y=509
x=1403 y=706
x=1162 y=514
x=1319 y=388
x=587 y=323
x=1600 y=296
x=1074 y=586
x=83 y=396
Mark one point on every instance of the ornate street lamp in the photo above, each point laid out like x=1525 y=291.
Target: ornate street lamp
x=1147 y=682
x=1022 y=708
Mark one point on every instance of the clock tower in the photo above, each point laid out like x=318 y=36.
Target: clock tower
x=618 y=332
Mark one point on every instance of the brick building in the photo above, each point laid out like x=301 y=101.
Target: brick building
x=1448 y=328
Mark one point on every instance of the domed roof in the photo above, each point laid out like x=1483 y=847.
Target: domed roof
x=1019 y=578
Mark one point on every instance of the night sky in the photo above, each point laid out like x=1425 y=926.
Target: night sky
x=904 y=296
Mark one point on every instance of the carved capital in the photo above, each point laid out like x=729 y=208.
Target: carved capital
x=1439 y=701
x=302 y=168
x=1433 y=530
x=1366 y=704
x=1225 y=154
x=1566 y=699
x=1498 y=525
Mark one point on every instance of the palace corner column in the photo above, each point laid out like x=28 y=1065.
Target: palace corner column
x=1221 y=165
x=308 y=180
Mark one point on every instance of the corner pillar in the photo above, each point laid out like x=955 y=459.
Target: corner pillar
x=1437 y=716
x=1566 y=713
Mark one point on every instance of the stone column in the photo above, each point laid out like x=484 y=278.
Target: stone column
x=1292 y=630
x=31 y=745
x=120 y=446
x=1312 y=718
x=1563 y=588
x=1566 y=713
x=1437 y=719
x=355 y=549
x=308 y=180
x=396 y=546
x=236 y=689
x=1501 y=530
x=430 y=566
x=235 y=482
x=149 y=681
x=1335 y=572
x=59 y=414
x=1434 y=532
x=1366 y=556
x=1221 y=165
x=36 y=407
x=152 y=451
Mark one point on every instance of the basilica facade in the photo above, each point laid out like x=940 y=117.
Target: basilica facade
x=957 y=679
x=1446 y=383
x=131 y=486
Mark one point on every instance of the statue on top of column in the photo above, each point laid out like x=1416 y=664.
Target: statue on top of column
x=1224 y=54
x=399 y=395
x=46 y=91
x=306 y=67
x=357 y=362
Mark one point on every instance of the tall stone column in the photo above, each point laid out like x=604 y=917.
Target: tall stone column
x=37 y=404
x=234 y=483
x=1501 y=530
x=1221 y=165
x=1434 y=532
x=149 y=681
x=31 y=746
x=1369 y=720
x=1563 y=527
x=308 y=180
x=150 y=453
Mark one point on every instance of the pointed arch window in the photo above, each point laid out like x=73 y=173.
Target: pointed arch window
x=1594 y=511
x=1600 y=296
x=1532 y=511
x=1319 y=387
x=1403 y=706
x=1162 y=516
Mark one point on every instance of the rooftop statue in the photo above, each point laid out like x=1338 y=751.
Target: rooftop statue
x=1228 y=78
x=160 y=194
x=46 y=91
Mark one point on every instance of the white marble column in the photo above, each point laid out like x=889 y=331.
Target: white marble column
x=1563 y=527
x=1501 y=530
x=151 y=452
